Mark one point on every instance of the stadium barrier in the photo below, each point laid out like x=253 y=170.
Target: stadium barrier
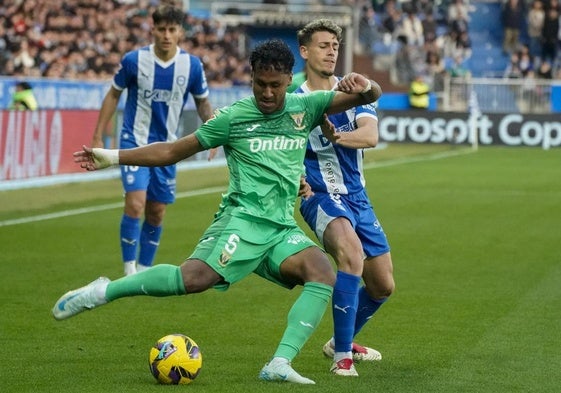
x=470 y=128
x=36 y=146
x=501 y=95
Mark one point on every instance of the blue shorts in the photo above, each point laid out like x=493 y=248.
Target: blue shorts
x=322 y=208
x=158 y=182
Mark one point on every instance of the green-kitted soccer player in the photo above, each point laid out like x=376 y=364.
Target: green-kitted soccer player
x=254 y=231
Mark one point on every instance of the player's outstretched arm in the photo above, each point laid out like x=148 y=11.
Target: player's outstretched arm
x=154 y=154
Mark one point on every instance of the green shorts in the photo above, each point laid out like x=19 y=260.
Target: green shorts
x=235 y=247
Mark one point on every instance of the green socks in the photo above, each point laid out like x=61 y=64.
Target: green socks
x=159 y=280
x=166 y=280
x=303 y=318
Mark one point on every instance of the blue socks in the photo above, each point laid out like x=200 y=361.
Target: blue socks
x=345 y=301
x=149 y=242
x=366 y=308
x=352 y=308
x=132 y=234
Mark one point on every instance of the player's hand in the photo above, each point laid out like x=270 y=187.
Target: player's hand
x=353 y=83
x=329 y=131
x=212 y=153
x=305 y=190
x=92 y=159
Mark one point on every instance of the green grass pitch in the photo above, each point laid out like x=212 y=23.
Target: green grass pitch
x=475 y=238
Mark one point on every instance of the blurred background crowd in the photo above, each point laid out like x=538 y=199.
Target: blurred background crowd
x=85 y=39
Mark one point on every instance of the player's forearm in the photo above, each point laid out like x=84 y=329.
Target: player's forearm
x=153 y=154
x=372 y=94
x=204 y=109
x=361 y=138
x=106 y=112
x=161 y=153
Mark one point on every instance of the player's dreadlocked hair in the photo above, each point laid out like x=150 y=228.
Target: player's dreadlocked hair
x=272 y=55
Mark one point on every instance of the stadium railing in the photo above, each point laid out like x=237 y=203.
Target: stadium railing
x=501 y=95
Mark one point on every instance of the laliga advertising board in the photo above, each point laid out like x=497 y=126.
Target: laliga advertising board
x=513 y=129
x=41 y=143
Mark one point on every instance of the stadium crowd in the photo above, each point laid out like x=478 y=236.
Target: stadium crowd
x=539 y=54
x=85 y=39
x=432 y=38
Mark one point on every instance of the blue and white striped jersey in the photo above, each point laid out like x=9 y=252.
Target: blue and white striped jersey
x=156 y=93
x=333 y=168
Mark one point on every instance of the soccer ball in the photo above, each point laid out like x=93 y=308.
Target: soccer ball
x=175 y=359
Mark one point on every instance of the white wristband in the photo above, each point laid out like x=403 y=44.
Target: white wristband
x=105 y=157
x=367 y=88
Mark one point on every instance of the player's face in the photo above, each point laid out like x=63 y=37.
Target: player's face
x=269 y=89
x=322 y=52
x=166 y=37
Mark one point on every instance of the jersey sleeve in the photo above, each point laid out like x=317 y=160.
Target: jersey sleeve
x=127 y=69
x=368 y=110
x=317 y=103
x=215 y=131
x=199 y=87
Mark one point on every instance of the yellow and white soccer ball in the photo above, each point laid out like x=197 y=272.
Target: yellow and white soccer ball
x=175 y=359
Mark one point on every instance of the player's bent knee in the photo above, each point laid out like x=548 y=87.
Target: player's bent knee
x=380 y=290
x=198 y=276
x=320 y=270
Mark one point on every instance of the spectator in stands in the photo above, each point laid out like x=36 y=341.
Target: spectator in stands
x=411 y=27
x=403 y=63
x=449 y=45
x=392 y=19
x=512 y=15
x=458 y=16
x=550 y=35
x=536 y=18
x=23 y=98
x=525 y=61
x=429 y=27
x=544 y=70
x=463 y=45
x=512 y=70
x=552 y=4
x=458 y=68
x=23 y=59
x=368 y=32
x=419 y=93
x=435 y=71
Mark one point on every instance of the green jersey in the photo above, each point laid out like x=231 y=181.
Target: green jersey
x=265 y=153
x=297 y=80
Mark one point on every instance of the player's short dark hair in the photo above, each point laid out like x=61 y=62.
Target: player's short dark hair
x=24 y=85
x=168 y=14
x=304 y=35
x=272 y=54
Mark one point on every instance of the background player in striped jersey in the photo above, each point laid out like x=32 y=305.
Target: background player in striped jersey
x=339 y=211
x=158 y=79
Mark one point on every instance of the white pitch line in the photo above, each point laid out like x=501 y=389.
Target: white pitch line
x=74 y=212
x=409 y=160
x=84 y=210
